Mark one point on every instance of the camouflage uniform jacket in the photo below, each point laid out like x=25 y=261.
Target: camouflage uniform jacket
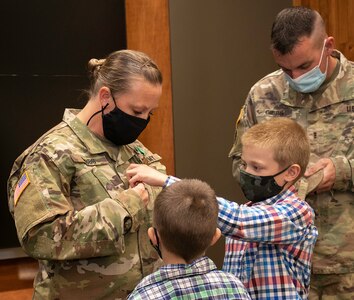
x=75 y=213
x=328 y=117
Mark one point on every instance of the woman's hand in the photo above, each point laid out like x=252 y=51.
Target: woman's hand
x=137 y=173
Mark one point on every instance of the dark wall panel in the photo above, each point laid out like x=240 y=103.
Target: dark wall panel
x=58 y=36
x=44 y=52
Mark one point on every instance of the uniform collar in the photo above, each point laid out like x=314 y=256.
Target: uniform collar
x=94 y=143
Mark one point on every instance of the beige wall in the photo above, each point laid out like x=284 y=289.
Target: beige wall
x=219 y=48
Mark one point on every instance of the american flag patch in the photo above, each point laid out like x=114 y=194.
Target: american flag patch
x=20 y=187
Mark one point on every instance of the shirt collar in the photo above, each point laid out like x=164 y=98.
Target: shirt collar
x=282 y=195
x=199 y=266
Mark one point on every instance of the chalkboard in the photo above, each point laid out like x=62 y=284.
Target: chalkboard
x=45 y=47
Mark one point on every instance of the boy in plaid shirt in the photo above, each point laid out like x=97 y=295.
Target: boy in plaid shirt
x=270 y=239
x=185 y=225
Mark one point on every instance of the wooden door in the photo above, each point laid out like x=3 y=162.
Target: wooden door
x=147 y=24
x=338 y=16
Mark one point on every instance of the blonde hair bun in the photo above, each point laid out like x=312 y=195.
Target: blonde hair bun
x=94 y=66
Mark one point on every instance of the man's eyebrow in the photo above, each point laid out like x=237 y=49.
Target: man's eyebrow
x=298 y=67
x=304 y=64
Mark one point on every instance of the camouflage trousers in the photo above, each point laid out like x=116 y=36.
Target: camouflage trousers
x=332 y=287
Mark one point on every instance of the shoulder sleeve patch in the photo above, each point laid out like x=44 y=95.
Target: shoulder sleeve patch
x=21 y=186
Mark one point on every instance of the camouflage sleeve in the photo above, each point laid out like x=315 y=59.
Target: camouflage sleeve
x=343 y=155
x=245 y=120
x=344 y=173
x=49 y=227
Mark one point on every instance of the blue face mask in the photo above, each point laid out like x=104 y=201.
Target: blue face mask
x=310 y=81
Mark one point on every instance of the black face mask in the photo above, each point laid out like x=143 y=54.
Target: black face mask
x=119 y=127
x=259 y=188
x=156 y=247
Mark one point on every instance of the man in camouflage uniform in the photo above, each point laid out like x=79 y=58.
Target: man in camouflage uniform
x=73 y=208
x=315 y=87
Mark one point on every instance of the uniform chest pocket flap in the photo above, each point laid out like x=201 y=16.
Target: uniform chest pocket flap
x=142 y=159
x=97 y=175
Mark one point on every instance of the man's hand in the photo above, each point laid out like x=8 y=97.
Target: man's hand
x=144 y=195
x=137 y=173
x=329 y=174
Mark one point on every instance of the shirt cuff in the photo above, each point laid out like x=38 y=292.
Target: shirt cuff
x=170 y=180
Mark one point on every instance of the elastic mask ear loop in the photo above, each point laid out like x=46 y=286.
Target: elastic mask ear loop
x=323 y=49
x=156 y=247
x=281 y=173
x=114 y=100
x=97 y=112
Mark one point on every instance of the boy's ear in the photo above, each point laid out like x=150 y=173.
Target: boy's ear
x=216 y=236
x=152 y=236
x=292 y=172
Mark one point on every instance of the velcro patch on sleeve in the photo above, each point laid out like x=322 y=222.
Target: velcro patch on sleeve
x=21 y=186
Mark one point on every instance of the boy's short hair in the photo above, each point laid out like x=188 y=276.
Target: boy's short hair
x=185 y=216
x=285 y=137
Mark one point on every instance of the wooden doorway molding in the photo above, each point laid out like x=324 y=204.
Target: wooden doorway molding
x=148 y=30
x=338 y=16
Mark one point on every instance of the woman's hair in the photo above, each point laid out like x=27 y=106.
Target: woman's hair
x=119 y=69
x=294 y=23
x=286 y=138
x=185 y=216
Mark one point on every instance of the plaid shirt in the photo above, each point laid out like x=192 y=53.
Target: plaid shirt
x=269 y=245
x=198 y=280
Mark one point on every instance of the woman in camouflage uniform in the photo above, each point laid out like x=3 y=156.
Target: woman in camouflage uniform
x=72 y=205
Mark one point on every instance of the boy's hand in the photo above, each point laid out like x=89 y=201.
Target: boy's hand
x=137 y=173
x=144 y=195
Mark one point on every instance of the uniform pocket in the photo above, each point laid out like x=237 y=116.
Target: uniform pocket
x=95 y=179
